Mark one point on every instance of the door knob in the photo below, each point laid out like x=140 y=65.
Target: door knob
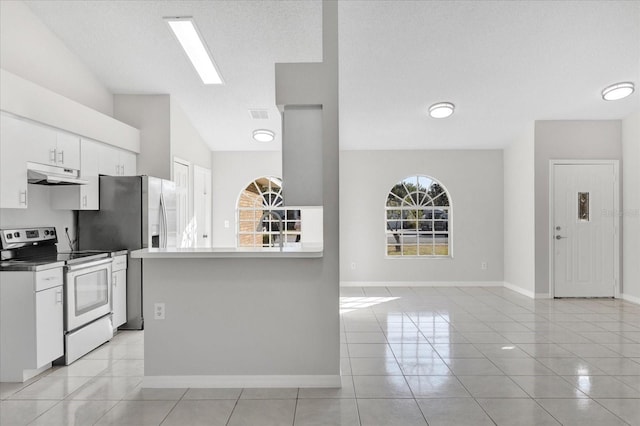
x=559 y=237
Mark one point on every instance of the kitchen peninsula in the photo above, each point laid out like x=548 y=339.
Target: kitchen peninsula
x=238 y=318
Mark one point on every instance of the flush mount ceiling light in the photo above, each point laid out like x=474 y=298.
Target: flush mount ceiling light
x=263 y=135
x=441 y=110
x=618 y=91
x=185 y=30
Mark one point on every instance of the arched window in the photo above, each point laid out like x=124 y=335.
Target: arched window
x=261 y=214
x=418 y=215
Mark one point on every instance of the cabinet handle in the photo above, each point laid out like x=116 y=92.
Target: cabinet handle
x=84 y=201
x=122 y=170
x=22 y=198
x=52 y=155
x=114 y=280
x=61 y=157
x=59 y=296
x=117 y=169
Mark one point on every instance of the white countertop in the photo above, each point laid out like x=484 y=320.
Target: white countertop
x=299 y=251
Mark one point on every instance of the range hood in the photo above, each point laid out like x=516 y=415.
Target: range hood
x=42 y=174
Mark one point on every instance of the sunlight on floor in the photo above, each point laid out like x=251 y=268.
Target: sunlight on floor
x=348 y=304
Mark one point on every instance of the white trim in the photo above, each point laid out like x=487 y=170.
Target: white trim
x=242 y=381
x=543 y=296
x=616 y=219
x=520 y=290
x=421 y=284
x=630 y=298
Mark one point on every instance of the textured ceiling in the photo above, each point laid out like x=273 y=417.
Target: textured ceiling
x=503 y=64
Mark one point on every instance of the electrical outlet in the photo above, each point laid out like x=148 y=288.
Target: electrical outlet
x=353 y=265
x=158 y=311
x=226 y=224
x=484 y=266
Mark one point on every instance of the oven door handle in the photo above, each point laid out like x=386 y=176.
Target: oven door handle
x=85 y=265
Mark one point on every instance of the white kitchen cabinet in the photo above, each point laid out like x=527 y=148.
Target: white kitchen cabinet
x=14 y=141
x=51 y=147
x=119 y=281
x=49 y=325
x=128 y=162
x=68 y=150
x=81 y=197
x=116 y=162
x=31 y=322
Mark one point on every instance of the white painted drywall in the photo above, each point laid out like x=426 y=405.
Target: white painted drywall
x=150 y=114
x=40 y=213
x=519 y=214
x=302 y=155
x=186 y=142
x=30 y=50
x=231 y=172
x=580 y=140
x=474 y=180
x=631 y=207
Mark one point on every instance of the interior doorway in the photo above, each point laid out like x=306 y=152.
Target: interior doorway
x=181 y=174
x=584 y=237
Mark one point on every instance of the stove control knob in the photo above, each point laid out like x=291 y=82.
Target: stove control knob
x=9 y=236
x=16 y=234
x=53 y=232
x=46 y=232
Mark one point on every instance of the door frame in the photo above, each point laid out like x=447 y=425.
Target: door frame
x=189 y=167
x=616 y=219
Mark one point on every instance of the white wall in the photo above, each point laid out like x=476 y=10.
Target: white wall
x=40 y=213
x=30 y=50
x=186 y=142
x=474 y=180
x=631 y=207
x=150 y=114
x=231 y=173
x=580 y=140
x=519 y=215
x=302 y=155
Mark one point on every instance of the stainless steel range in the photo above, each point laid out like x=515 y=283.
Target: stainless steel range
x=87 y=285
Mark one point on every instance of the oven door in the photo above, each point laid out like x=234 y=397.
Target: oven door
x=87 y=292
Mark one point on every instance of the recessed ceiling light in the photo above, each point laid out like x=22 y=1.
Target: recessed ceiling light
x=441 y=110
x=263 y=135
x=189 y=38
x=618 y=91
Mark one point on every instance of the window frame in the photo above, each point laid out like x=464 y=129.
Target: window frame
x=417 y=205
x=272 y=200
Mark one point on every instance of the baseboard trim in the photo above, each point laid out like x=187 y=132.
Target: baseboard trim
x=421 y=283
x=519 y=290
x=241 y=381
x=630 y=298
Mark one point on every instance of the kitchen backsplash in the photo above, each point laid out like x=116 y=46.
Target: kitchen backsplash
x=40 y=213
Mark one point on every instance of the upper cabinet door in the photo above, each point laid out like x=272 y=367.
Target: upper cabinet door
x=109 y=162
x=68 y=150
x=14 y=146
x=128 y=162
x=39 y=143
x=90 y=159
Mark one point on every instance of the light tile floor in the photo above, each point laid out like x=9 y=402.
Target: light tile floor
x=410 y=356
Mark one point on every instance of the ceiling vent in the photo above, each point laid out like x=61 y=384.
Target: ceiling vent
x=259 y=114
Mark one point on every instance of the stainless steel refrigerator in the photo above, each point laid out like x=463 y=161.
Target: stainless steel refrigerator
x=135 y=212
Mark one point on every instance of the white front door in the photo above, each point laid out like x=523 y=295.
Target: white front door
x=584 y=230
